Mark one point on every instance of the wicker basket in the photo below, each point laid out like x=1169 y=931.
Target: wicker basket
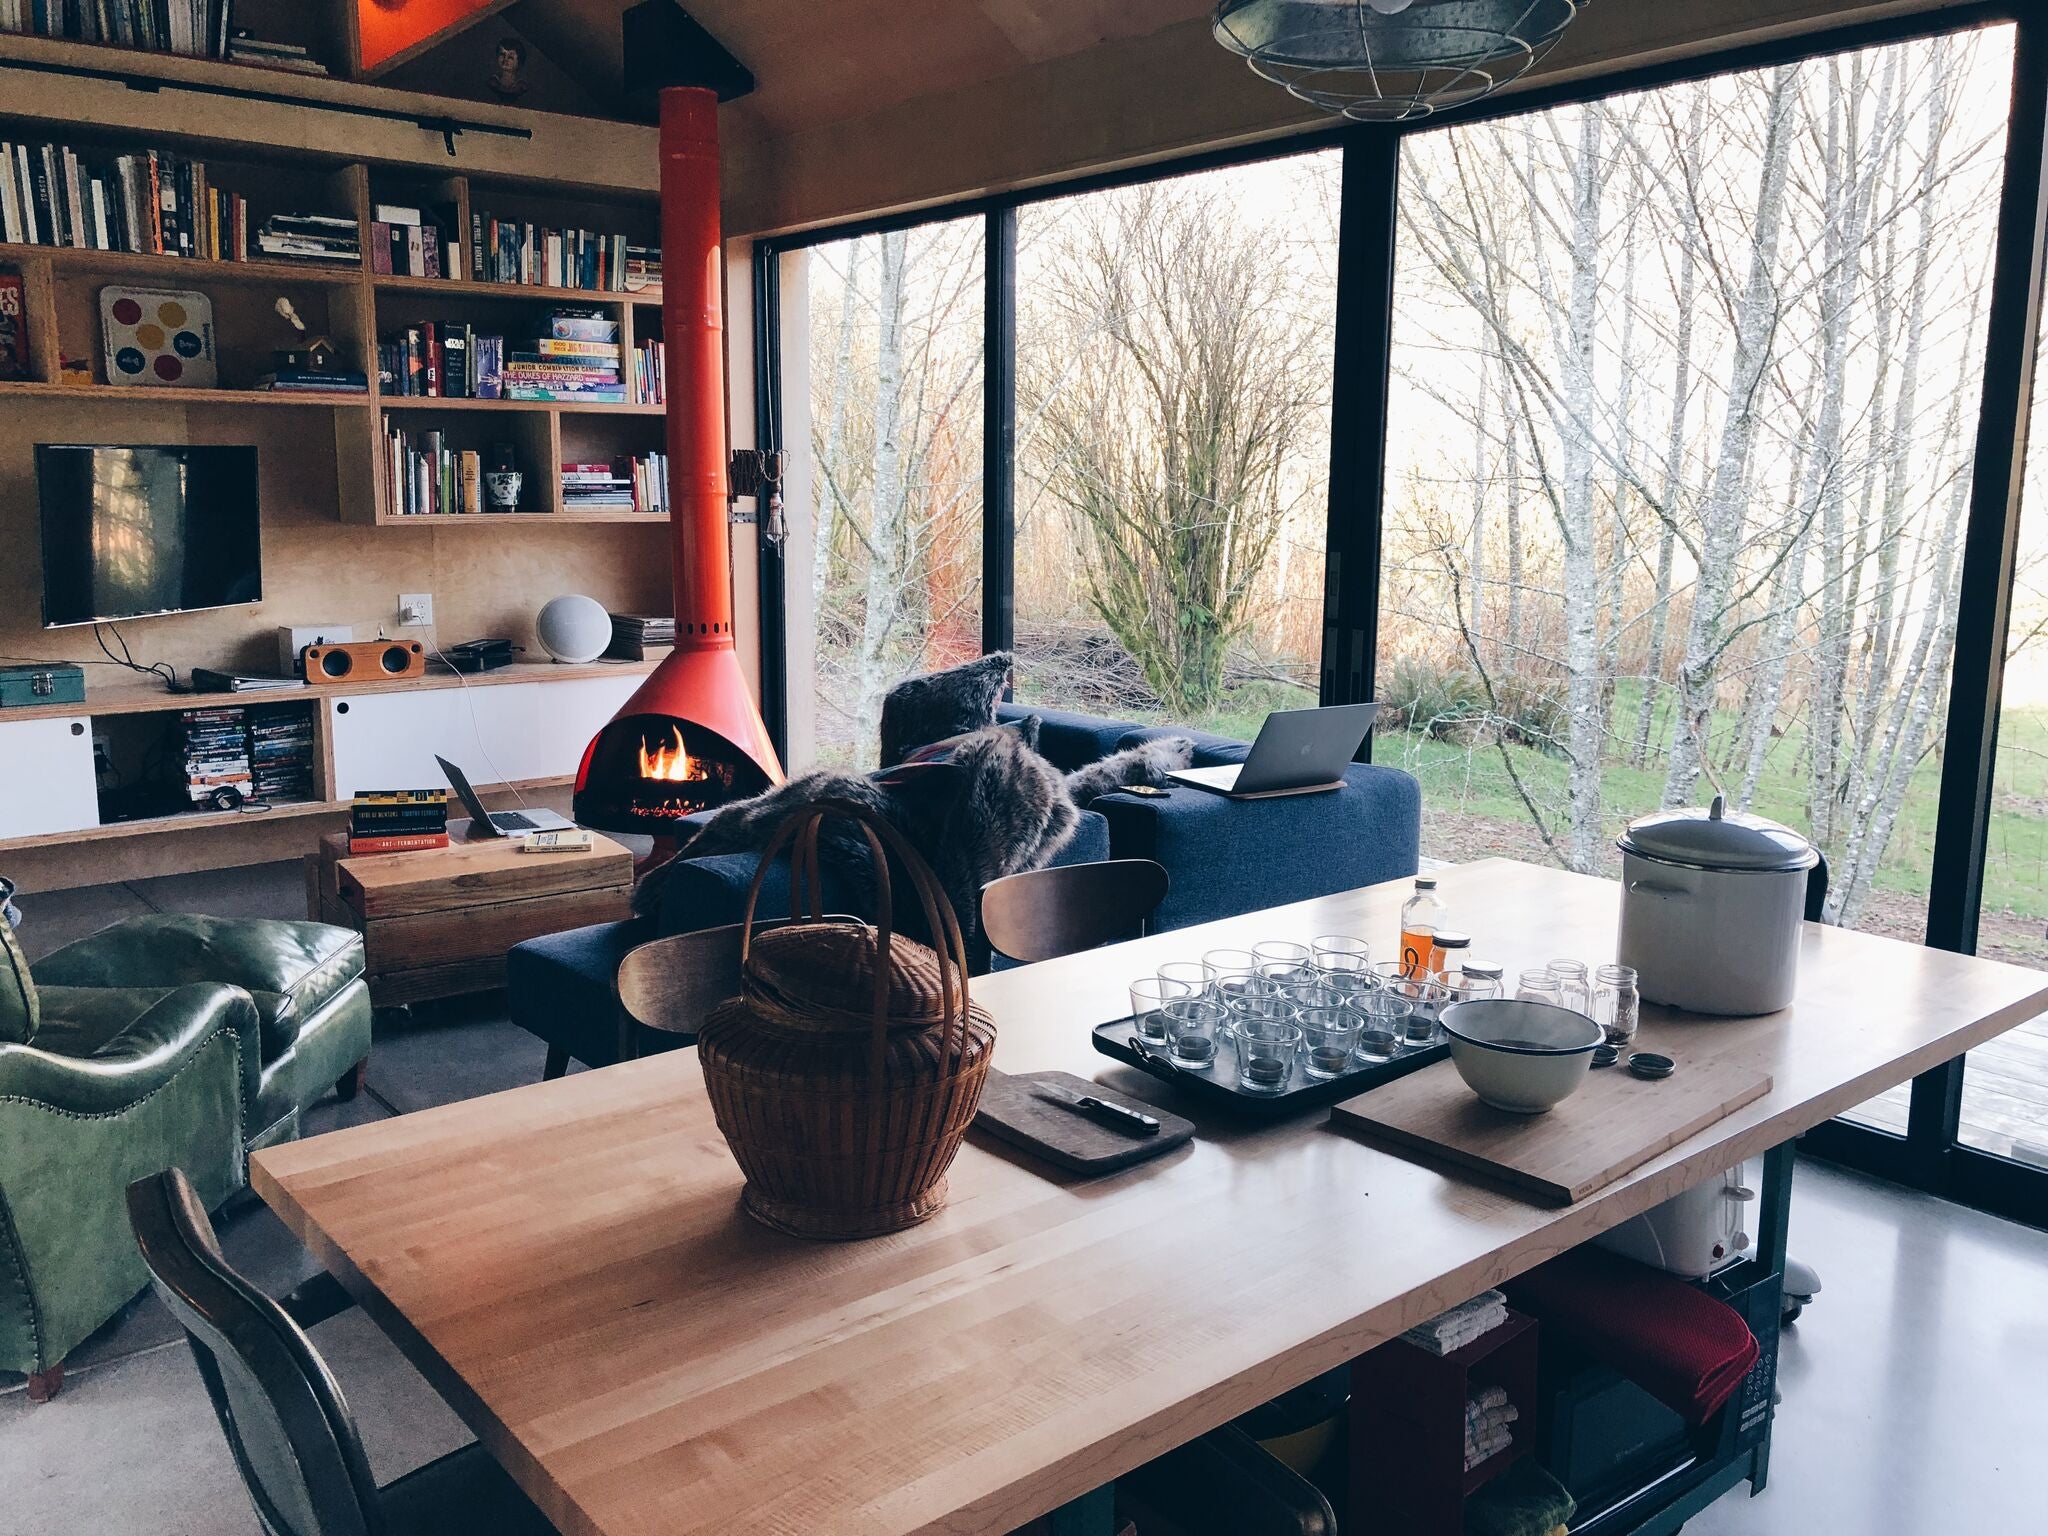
x=847 y=1071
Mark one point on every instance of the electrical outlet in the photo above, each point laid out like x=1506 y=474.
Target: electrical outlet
x=416 y=608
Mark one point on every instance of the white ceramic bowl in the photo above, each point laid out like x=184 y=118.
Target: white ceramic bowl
x=1520 y=1056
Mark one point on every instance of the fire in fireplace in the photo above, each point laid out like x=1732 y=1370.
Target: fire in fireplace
x=645 y=773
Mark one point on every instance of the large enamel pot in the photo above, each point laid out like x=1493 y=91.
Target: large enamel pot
x=1711 y=907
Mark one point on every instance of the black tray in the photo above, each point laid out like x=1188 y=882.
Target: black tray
x=1217 y=1083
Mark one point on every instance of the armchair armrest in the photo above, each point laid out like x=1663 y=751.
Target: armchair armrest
x=141 y=1057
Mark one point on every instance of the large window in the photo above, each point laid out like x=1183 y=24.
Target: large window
x=1174 y=352
x=895 y=441
x=1680 y=455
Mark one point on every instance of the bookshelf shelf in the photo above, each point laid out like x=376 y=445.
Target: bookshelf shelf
x=437 y=519
x=553 y=407
x=187 y=270
x=458 y=287
x=121 y=394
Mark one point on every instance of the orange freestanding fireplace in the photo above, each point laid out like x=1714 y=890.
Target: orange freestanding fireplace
x=690 y=738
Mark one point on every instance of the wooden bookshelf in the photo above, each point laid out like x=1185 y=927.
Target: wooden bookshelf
x=355 y=307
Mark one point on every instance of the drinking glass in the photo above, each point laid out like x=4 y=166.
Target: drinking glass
x=1233 y=991
x=1617 y=1007
x=1303 y=995
x=1255 y=1006
x=1328 y=1036
x=1193 y=1025
x=1283 y=961
x=1149 y=997
x=1387 y=1015
x=1345 y=974
x=1231 y=963
x=1333 y=951
x=1573 y=990
x=1537 y=986
x=1196 y=975
x=1265 y=1054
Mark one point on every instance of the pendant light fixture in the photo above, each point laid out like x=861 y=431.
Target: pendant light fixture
x=1390 y=61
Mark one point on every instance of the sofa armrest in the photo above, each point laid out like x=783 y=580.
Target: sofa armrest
x=142 y=1057
x=1227 y=857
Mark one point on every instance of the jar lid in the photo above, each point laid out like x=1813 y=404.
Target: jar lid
x=1485 y=970
x=1445 y=939
x=1717 y=838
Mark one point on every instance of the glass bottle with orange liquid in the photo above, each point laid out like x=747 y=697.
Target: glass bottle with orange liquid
x=1421 y=919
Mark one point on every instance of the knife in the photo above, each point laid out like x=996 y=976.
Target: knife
x=1118 y=1117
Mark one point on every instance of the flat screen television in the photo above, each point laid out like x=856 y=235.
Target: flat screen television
x=131 y=531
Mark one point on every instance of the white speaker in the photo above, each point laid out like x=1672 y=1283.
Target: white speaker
x=573 y=628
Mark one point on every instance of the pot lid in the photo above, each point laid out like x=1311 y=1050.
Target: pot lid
x=1717 y=838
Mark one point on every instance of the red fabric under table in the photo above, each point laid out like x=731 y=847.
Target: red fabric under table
x=1683 y=1347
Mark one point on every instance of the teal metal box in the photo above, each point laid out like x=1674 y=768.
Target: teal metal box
x=50 y=682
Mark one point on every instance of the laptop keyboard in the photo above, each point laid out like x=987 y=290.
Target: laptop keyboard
x=512 y=821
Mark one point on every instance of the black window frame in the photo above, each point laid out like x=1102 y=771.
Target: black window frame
x=1928 y=1156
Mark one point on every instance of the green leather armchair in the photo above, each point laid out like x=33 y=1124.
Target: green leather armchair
x=98 y=1088
x=171 y=1040
x=306 y=980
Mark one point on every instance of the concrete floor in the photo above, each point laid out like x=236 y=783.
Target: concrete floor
x=1911 y=1405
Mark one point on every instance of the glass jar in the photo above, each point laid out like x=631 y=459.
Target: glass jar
x=1537 y=986
x=1423 y=915
x=1451 y=950
x=1617 y=1007
x=1483 y=978
x=1574 y=990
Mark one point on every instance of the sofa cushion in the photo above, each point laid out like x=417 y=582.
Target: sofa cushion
x=19 y=1010
x=561 y=989
x=292 y=969
x=1211 y=750
x=77 y=1021
x=1068 y=740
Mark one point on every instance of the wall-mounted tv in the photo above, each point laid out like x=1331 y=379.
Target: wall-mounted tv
x=132 y=531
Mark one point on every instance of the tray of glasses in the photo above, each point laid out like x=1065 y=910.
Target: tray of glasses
x=1218 y=1083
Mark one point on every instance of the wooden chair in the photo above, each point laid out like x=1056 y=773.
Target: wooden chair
x=672 y=984
x=1045 y=913
x=293 y=1438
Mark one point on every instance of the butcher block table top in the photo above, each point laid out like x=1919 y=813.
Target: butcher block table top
x=569 y=1264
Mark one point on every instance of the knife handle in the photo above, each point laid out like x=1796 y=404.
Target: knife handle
x=1120 y=1116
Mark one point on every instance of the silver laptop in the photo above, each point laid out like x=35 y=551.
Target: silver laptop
x=484 y=822
x=1299 y=752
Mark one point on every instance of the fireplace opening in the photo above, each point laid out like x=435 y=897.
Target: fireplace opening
x=645 y=773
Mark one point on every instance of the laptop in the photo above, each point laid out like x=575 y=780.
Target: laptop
x=484 y=822
x=1299 y=752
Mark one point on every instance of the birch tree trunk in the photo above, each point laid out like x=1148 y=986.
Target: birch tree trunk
x=831 y=508
x=1722 y=516
x=1585 y=729
x=888 y=497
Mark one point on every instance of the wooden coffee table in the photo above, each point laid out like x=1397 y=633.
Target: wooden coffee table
x=437 y=923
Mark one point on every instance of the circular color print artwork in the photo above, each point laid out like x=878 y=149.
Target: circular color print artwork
x=157 y=336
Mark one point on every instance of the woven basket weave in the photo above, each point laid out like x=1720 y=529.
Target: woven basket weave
x=848 y=1069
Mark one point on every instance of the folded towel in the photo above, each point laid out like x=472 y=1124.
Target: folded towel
x=1462 y=1325
x=1492 y=1397
x=1682 y=1346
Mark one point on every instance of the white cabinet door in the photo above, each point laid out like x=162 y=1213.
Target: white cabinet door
x=494 y=732
x=46 y=777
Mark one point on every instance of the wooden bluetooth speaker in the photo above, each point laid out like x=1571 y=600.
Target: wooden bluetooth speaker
x=363 y=661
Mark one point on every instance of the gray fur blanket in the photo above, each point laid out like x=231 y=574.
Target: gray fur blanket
x=992 y=807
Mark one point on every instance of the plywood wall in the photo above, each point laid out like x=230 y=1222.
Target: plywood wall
x=486 y=579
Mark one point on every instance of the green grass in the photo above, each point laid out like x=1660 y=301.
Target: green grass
x=2016 y=871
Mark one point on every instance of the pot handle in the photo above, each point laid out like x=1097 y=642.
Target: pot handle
x=1651 y=888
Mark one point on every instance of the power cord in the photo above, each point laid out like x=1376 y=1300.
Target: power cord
x=434 y=648
x=162 y=670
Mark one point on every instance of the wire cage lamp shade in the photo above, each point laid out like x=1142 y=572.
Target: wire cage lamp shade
x=1391 y=61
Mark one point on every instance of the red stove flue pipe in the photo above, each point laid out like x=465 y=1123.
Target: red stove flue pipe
x=693 y=329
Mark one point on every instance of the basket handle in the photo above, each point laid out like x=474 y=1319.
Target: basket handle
x=799 y=832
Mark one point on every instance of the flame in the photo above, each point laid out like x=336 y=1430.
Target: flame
x=670 y=763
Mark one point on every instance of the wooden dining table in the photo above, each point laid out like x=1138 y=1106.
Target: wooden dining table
x=569 y=1264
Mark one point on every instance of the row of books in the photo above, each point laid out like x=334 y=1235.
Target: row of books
x=447 y=361
x=648 y=384
x=216 y=753
x=637 y=636
x=634 y=484
x=511 y=251
x=307 y=381
x=398 y=820
x=199 y=28
x=404 y=242
x=424 y=477
x=150 y=203
x=281 y=753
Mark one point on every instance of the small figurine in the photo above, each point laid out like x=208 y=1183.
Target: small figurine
x=505 y=71
x=316 y=354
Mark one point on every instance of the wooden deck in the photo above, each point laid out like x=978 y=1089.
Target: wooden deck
x=2005 y=1096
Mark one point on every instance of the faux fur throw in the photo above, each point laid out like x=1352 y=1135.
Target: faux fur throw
x=1149 y=762
x=994 y=807
x=941 y=705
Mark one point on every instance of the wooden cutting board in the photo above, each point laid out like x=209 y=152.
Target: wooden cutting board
x=1013 y=1111
x=1615 y=1123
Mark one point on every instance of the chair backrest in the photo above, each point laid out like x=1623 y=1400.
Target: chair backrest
x=1045 y=913
x=291 y=1433
x=672 y=984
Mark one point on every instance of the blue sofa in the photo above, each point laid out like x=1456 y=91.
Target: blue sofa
x=1222 y=856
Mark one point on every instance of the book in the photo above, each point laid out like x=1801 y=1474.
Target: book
x=14 y=358
x=405 y=843
x=577 y=841
x=400 y=797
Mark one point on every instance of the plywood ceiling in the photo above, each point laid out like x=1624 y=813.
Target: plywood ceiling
x=825 y=61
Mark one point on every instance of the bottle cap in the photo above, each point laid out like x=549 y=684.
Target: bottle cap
x=1425 y=882
x=1445 y=939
